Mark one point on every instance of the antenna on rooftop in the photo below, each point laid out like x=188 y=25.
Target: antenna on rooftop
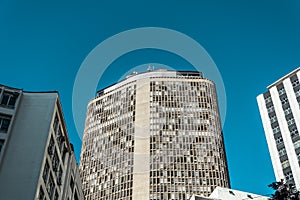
x=150 y=68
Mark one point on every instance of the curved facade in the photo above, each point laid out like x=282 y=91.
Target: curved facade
x=155 y=135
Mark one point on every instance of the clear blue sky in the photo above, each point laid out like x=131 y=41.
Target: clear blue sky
x=253 y=43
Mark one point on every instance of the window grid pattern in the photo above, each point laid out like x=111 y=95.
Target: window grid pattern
x=54 y=162
x=186 y=143
x=4 y=123
x=108 y=145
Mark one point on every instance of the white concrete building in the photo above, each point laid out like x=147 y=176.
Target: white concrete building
x=280 y=114
x=221 y=193
x=154 y=135
x=36 y=158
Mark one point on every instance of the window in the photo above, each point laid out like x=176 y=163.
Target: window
x=284 y=100
x=295 y=83
x=279 y=140
x=55 y=123
x=276 y=130
x=41 y=194
x=289 y=176
x=4 y=123
x=285 y=164
x=46 y=171
x=287 y=111
x=59 y=176
x=273 y=119
x=297 y=93
x=50 y=186
x=76 y=196
x=297 y=144
x=281 y=91
x=56 y=195
x=72 y=183
x=65 y=150
x=294 y=132
x=291 y=121
x=270 y=109
x=268 y=100
x=9 y=99
x=282 y=152
x=51 y=146
x=1 y=144
x=55 y=162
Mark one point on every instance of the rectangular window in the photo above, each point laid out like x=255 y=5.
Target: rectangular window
x=285 y=164
x=295 y=83
x=59 y=176
x=4 y=123
x=276 y=130
x=76 y=196
x=64 y=152
x=1 y=144
x=270 y=109
x=55 y=123
x=291 y=121
x=41 y=194
x=284 y=100
x=282 y=152
x=281 y=91
x=297 y=93
x=46 y=171
x=56 y=195
x=51 y=146
x=268 y=100
x=50 y=186
x=287 y=111
x=72 y=183
x=273 y=119
x=297 y=144
x=55 y=162
x=9 y=99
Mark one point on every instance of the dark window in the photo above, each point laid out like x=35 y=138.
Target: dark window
x=51 y=146
x=41 y=194
x=9 y=99
x=56 y=195
x=65 y=150
x=56 y=123
x=50 y=186
x=1 y=144
x=55 y=161
x=46 y=171
x=4 y=123
x=76 y=196
x=72 y=183
x=59 y=176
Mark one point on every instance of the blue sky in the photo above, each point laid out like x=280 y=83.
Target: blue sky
x=253 y=43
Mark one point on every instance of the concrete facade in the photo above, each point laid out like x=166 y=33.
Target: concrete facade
x=36 y=158
x=280 y=114
x=154 y=135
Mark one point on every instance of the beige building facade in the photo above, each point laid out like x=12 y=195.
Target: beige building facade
x=154 y=135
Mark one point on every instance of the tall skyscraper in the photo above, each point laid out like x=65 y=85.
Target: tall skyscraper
x=280 y=114
x=154 y=135
x=36 y=158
